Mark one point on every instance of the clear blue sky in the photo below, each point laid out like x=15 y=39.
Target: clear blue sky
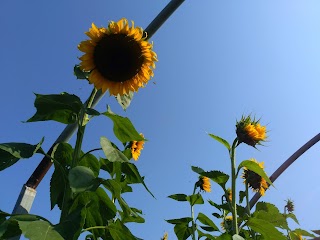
x=217 y=61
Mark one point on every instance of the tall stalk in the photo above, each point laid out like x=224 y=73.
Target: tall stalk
x=233 y=176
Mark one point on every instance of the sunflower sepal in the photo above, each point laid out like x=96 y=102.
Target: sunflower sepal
x=80 y=74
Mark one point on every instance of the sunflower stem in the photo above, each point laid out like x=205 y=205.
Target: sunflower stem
x=233 y=175
x=76 y=153
x=192 y=215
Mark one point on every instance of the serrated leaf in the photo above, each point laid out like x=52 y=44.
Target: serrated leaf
x=221 y=140
x=253 y=166
x=207 y=221
x=302 y=232
x=202 y=234
x=293 y=217
x=58 y=186
x=195 y=199
x=123 y=128
x=79 y=73
x=62 y=108
x=113 y=154
x=266 y=229
x=125 y=100
x=39 y=230
x=218 y=177
x=184 y=220
x=90 y=161
x=10 y=153
x=81 y=179
x=179 y=197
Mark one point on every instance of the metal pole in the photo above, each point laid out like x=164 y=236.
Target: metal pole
x=286 y=164
x=28 y=192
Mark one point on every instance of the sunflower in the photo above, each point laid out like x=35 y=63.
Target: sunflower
x=255 y=181
x=136 y=148
x=289 y=206
x=229 y=194
x=119 y=58
x=250 y=131
x=204 y=184
x=226 y=224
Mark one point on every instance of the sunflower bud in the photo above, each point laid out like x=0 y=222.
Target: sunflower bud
x=289 y=206
x=250 y=131
x=226 y=224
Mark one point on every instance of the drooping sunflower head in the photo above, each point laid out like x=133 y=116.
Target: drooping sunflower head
x=250 y=131
x=226 y=224
x=289 y=206
x=119 y=58
x=204 y=184
x=254 y=180
x=136 y=147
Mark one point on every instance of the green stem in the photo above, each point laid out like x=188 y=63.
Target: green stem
x=192 y=215
x=96 y=149
x=247 y=199
x=95 y=227
x=76 y=153
x=233 y=176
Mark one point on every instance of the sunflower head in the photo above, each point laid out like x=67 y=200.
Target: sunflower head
x=289 y=206
x=204 y=184
x=136 y=147
x=119 y=58
x=255 y=181
x=250 y=131
x=229 y=194
x=165 y=236
x=226 y=224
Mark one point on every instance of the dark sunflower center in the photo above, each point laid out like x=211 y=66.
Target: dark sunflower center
x=118 y=57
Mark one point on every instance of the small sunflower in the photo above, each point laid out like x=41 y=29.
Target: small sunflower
x=289 y=206
x=250 y=131
x=255 y=181
x=136 y=148
x=226 y=224
x=204 y=184
x=165 y=236
x=119 y=58
x=229 y=194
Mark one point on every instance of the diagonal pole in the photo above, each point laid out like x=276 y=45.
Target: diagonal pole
x=28 y=191
x=287 y=164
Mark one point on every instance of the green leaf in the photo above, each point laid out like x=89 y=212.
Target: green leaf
x=271 y=214
x=63 y=153
x=242 y=195
x=202 y=234
x=90 y=161
x=220 y=207
x=9 y=228
x=195 y=199
x=62 y=108
x=10 y=153
x=253 y=166
x=179 y=197
x=185 y=220
x=224 y=236
x=182 y=231
x=125 y=218
x=207 y=221
x=79 y=73
x=221 y=140
x=81 y=179
x=266 y=229
x=113 y=154
x=123 y=128
x=119 y=231
x=132 y=172
x=217 y=176
x=58 y=186
x=197 y=170
x=39 y=230
x=125 y=100
x=293 y=217
x=303 y=233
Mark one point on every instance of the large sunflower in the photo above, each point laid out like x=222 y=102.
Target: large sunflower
x=119 y=58
x=255 y=181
